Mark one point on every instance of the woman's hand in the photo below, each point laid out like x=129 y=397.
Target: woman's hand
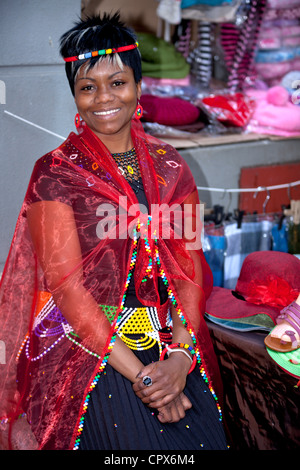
x=168 y=381
x=175 y=410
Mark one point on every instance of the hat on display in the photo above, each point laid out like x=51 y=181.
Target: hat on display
x=288 y=361
x=268 y=282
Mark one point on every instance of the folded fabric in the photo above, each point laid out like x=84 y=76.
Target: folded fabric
x=291 y=41
x=272 y=71
x=269 y=43
x=151 y=81
x=215 y=14
x=168 y=111
x=269 y=31
x=274 y=113
x=283 y=3
x=160 y=59
x=190 y=3
x=279 y=55
x=292 y=13
x=290 y=30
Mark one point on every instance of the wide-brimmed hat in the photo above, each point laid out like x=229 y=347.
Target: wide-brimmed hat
x=268 y=282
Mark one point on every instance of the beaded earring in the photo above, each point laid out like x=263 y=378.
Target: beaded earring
x=77 y=120
x=138 y=111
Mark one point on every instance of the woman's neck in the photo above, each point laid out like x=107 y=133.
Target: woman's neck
x=117 y=143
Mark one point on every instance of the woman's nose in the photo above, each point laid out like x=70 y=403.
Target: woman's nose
x=103 y=95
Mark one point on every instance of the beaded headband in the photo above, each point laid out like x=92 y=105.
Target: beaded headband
x=113 y=50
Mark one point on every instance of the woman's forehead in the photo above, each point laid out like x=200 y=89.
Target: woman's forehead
x=105 y=66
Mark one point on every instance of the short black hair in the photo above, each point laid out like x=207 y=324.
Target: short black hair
x=96 y=33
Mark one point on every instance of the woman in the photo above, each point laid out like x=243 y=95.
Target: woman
x=108 y=268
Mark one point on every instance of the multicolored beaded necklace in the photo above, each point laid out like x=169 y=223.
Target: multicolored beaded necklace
x=129 y=167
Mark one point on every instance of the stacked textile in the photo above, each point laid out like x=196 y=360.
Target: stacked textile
x=161 y=62
x=163 y=66
x=279 y=41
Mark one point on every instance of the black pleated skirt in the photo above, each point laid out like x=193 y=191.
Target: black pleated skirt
x=117 y=419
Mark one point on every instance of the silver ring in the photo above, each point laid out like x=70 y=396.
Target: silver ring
x=147 y=381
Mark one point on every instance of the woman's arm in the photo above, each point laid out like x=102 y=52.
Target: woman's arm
x=168 y=376
x=54 y=234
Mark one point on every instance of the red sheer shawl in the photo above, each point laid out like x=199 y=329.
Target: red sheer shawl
x=48 y=372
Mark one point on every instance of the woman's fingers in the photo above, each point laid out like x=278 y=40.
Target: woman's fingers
x=175 y=410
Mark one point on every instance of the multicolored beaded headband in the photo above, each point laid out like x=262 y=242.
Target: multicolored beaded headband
x=113 y=50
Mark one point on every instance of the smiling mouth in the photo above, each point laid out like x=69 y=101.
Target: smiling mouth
x=106 y=113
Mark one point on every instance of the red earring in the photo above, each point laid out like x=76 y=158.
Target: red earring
x=138 y=112
x=77 y=120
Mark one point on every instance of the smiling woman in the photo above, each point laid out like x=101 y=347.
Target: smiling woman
x=106 y=343
x=106 y=97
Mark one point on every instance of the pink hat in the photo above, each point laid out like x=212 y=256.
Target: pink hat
x=268 y=282
x=168 y=111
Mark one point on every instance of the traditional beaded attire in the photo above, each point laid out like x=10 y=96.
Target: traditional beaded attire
x=71 y=397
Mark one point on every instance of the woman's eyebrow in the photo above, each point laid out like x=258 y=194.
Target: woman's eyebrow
x=94 y=79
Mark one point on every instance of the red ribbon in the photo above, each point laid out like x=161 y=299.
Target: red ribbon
x=274 y=292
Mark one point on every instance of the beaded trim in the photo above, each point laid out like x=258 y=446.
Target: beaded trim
x=179 y=312
x=190 y=330
x=110 y=346
x=113 y=50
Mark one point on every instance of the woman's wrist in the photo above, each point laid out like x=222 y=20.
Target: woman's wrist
x=182 y=348
x=182 y=362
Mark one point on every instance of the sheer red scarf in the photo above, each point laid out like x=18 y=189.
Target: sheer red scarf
x=82 y=175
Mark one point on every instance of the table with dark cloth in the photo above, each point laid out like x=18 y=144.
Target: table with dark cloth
x=261 y=401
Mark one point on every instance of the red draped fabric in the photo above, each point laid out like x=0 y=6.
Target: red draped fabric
x=54 y=289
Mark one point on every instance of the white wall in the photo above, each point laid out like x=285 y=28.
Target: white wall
x=36 y=90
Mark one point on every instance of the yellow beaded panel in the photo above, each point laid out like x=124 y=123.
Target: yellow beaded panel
x=140 y=344
x=140 y=320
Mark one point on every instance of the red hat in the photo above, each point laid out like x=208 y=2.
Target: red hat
x=268 y=282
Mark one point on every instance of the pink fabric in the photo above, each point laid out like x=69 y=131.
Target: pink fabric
x=270 y=118
x=149 y=81
x=271 y=71
x=283 y=3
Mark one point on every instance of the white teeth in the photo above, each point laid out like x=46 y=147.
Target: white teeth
x=105 y=113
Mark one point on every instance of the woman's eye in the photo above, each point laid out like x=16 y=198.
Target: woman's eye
x=118 y=83
x=87 y=88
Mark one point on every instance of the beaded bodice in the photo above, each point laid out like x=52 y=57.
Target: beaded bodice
x=129 y=167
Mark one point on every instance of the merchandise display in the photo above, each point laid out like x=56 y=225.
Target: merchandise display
x=221 y=51
x=244 y=76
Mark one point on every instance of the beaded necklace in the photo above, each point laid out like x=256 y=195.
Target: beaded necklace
x=129 y=167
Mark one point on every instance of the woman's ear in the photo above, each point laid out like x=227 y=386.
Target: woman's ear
x=139 y=89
